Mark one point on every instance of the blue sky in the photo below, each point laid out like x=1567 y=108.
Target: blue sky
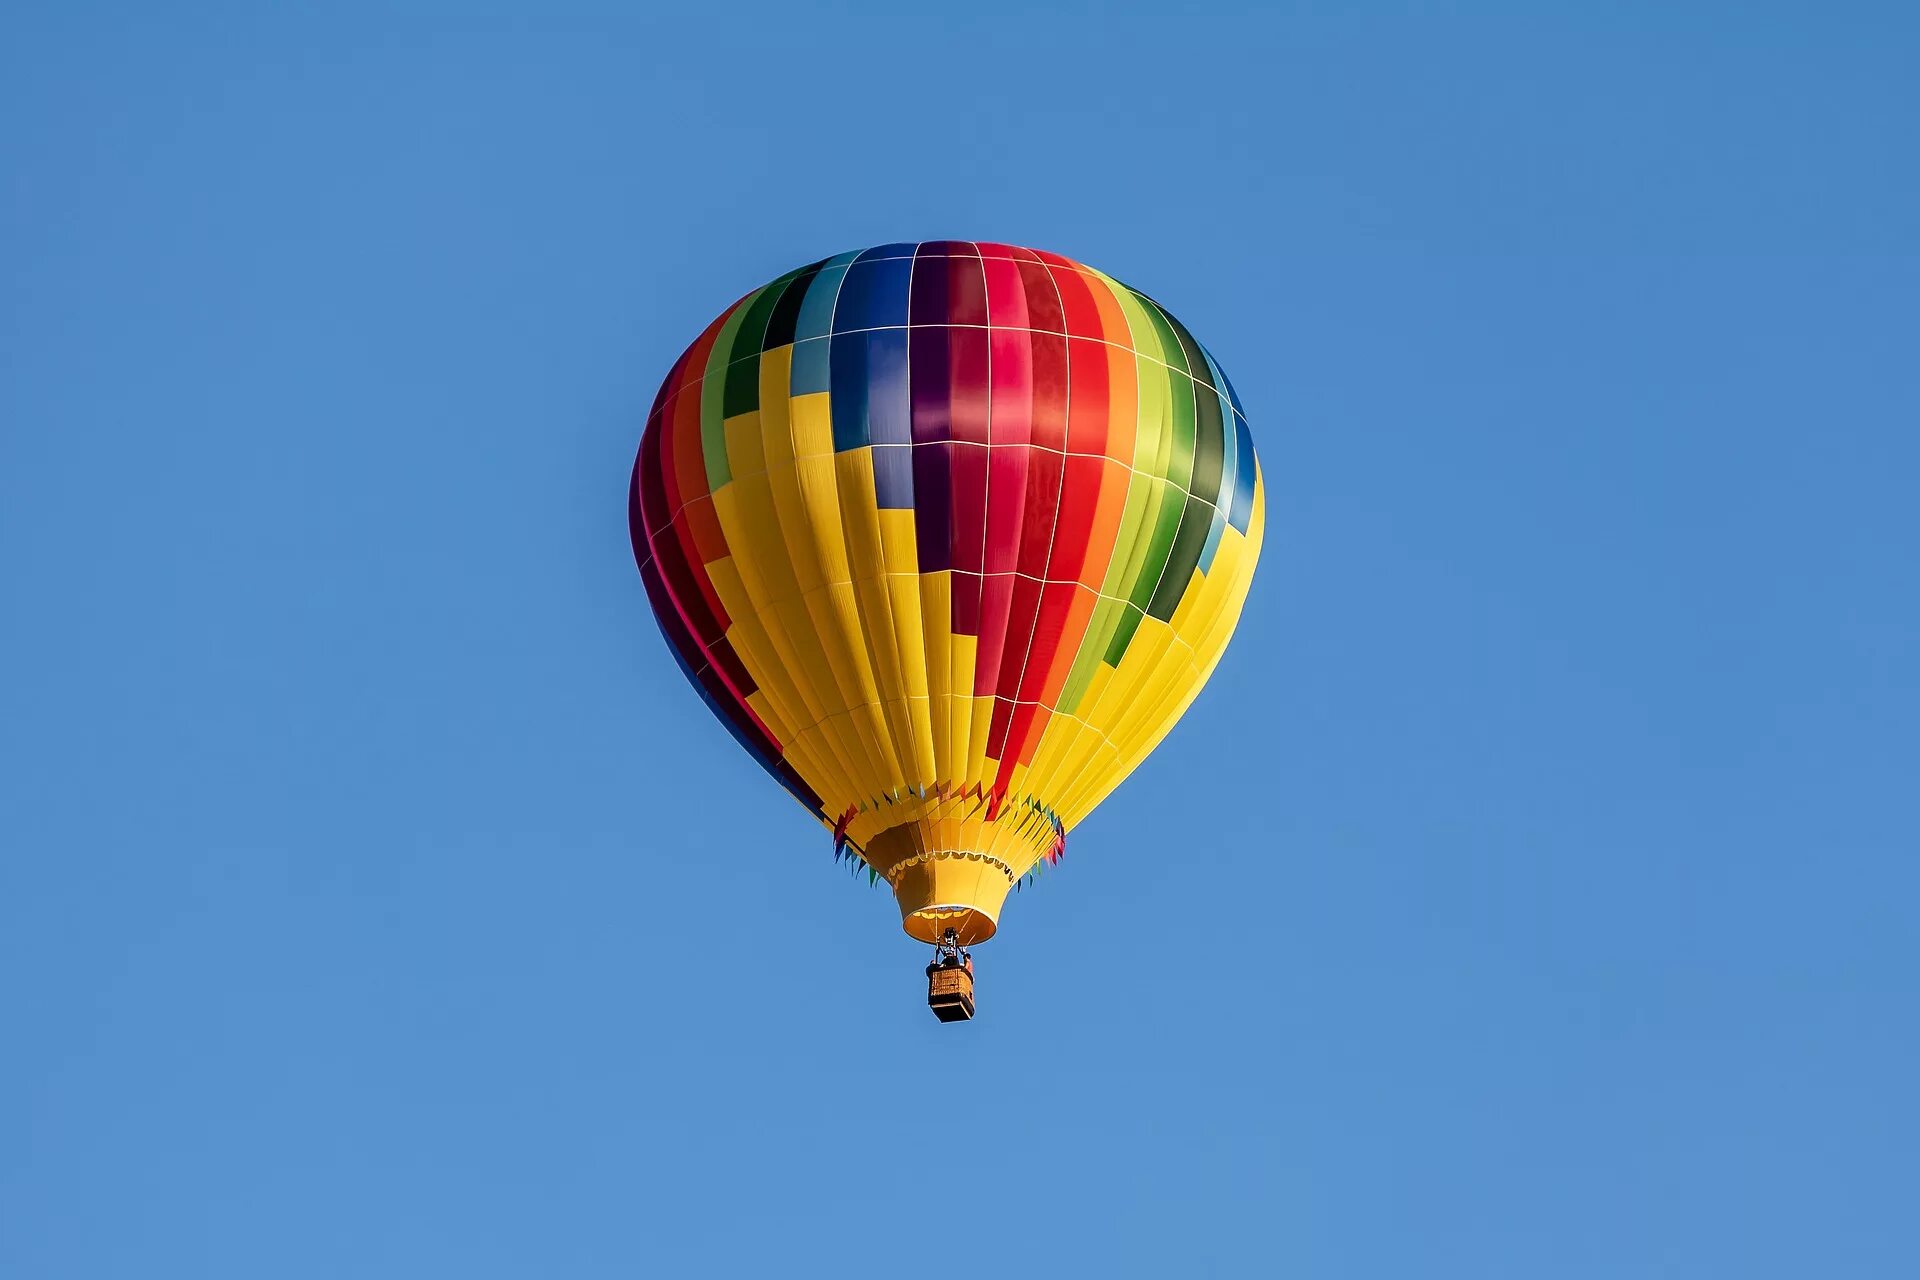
x=1533 y=887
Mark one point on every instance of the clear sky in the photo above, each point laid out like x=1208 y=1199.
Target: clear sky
x=1533 y=890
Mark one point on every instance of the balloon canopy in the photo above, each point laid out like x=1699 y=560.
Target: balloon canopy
x=948 y=535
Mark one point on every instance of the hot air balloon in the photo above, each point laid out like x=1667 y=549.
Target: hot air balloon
x=948 y=535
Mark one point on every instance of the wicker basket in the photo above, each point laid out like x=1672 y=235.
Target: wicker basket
x=950 y=994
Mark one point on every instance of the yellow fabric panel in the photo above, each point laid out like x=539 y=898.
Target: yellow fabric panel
x=1176 y=695
x=859 y=515
x=936 y=622
x=1246 y=554
x=745 y=457
x=905 y=593
x=782 y=713
x=1077 y=750
x=749 y=517
x=1101 y=772
x=812 y=426
x=905 y=662
x=898 y=537
x=797 y=543
x=1224 y=595
x=820 y=742
x=782 y=555
x=806 y=505
x=926 y=769
x=1207 y=603
x=776 y=430
x=776 y=372
x=860 y=528
x=825 y=517
x=814 y=674
x=745 y=510
x=758 y=703
x=904 y=601
x=856 y=676
x=1055 y=759
x=1017 y=780
x=979 y=769
x=842 y=628
x=1190 y=615
x=1137 y=667
x=961 y=652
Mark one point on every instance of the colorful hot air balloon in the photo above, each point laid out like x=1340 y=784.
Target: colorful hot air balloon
x=948 y=535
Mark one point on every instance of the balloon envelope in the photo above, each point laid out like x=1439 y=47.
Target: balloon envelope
x=948 y=535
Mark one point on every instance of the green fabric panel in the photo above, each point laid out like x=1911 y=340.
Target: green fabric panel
x=1194 y=358
x=1180 y=463
x=1123 y=634
x=1171 y=506
x=1209 y=445
x=1167 y=348
x=713 y=436
x=743 y=364
x=1100 y=628
x=1210 y=414
x=1167 y=495
x=1135 y=517
x=1174 y=353
x=1182 y=559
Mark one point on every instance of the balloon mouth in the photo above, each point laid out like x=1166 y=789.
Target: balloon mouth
x=959 y=891
x=970 y=925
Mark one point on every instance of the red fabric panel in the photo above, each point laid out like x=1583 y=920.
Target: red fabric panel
x=1088 y=396
x=1048 y=362
x=1078 y=303
x=968 y=389
x=1006 y=294
x=1079 y=614
x=966 y=288
x=966 y=604
x=968 y=530
x=1043 y=299
x=1023 y=604
x=1045 y=470
x=1079 y=500
x=1006 y=507
x=996 y=591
